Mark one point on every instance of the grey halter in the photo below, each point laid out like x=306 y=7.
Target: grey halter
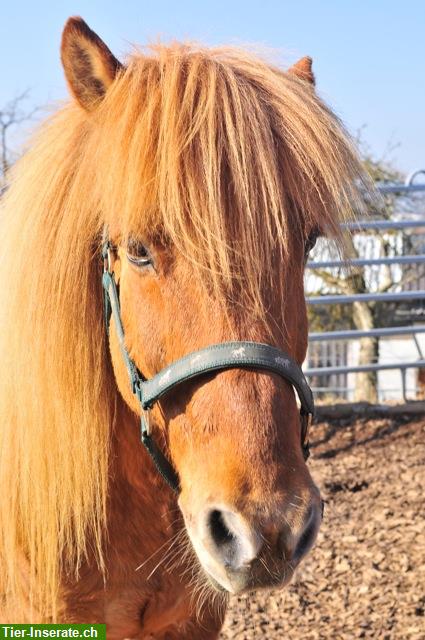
x=217 y=357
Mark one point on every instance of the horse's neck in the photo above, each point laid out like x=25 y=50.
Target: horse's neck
x=143 y=521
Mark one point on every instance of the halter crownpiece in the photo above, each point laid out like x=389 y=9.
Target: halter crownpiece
x=217 y=357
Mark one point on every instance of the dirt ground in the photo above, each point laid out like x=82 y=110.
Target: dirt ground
x=366 y=576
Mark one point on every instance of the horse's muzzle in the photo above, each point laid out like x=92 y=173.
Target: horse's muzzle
x=244 y=553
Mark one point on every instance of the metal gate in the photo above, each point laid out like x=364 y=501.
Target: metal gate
x=328 y=365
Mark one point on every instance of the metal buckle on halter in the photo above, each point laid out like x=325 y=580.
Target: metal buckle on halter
x=107 y=257
x=306 y=422
x=145 y=424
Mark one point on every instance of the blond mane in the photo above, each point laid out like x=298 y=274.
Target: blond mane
x=225 y=156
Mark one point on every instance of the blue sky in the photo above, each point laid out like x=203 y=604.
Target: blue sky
x=369 y=56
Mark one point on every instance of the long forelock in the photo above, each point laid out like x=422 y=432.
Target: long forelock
x=229 y=158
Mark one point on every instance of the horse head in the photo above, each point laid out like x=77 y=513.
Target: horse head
x=212 y=252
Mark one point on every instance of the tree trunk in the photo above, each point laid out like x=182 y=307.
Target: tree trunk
x=421 y=384
x=366 y=386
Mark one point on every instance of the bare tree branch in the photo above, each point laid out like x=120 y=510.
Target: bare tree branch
x=12 y=115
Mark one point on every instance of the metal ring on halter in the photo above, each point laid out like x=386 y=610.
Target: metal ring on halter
x=145 y=422
x=306 y=422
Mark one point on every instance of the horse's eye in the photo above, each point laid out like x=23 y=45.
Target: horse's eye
x=138 y=254
x=310 y=242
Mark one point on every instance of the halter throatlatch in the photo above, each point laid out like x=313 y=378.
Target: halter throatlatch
x=218 y=357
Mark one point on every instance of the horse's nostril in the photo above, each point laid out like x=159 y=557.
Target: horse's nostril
x=229 y=538
x=219 y=530
x=306 y=539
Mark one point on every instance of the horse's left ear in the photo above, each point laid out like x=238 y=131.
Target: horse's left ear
x=90 y=67
x=304 y=70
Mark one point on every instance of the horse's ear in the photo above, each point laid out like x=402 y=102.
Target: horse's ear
x=303 y=69
x=90 y=67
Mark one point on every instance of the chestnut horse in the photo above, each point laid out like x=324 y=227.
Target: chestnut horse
x=207 y=171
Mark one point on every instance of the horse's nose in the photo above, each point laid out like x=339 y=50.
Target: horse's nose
x=251 y=555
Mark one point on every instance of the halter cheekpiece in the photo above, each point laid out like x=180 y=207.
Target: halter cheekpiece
x=217 y=357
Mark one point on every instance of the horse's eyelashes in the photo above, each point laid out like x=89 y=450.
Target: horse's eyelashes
x=310 y=242
x=138 y=253
x=137 y=248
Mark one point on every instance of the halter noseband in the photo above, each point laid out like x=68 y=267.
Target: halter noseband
x=217 y=357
